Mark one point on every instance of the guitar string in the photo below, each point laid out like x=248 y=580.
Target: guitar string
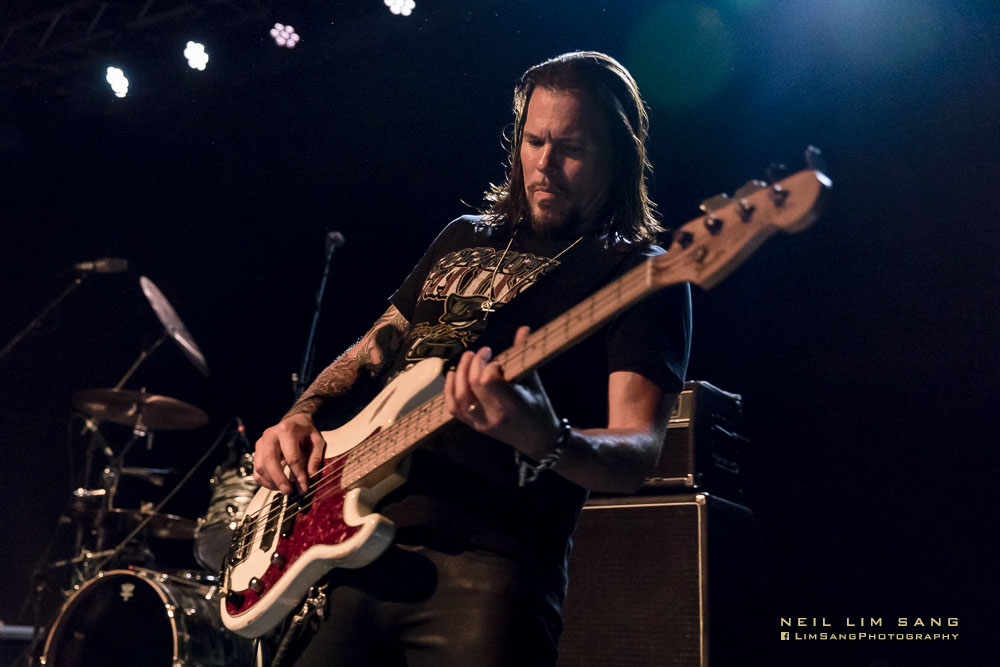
x=431 y=406
x=625 y=284
x=254 y=521
x=373 y=451
x=630 y=287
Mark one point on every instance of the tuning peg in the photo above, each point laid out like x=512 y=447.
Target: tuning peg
x=749 y=188
x=715 y=203
x=683 y=238
x=745 y=208
x=776 y=171
x=815 y=160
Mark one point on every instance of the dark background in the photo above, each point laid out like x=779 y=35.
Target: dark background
x=865 y=348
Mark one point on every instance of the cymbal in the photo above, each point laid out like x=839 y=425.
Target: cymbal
x=132 y=408
x=163 y=526
x=154 y=476
x=172 y=323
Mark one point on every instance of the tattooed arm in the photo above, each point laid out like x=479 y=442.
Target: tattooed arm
x=295 y=440
x=371 y=355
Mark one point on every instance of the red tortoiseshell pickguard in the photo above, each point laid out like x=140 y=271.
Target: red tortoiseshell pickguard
x=323 y=523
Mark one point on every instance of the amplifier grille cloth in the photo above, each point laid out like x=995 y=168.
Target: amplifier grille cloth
x=635 y=575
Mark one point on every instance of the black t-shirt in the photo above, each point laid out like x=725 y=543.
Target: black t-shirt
x=464 y=484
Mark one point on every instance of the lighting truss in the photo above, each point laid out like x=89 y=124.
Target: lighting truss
x=48 y=47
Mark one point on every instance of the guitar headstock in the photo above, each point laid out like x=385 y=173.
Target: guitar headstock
x=707 y=249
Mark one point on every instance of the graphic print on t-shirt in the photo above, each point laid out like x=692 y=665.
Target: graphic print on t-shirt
x=460 y=282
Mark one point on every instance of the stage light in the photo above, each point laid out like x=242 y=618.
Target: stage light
x=119 y=84
x=404 y=7
x=284 y=35
x=196 y=56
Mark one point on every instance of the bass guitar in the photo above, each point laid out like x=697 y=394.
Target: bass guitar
x=284 y=544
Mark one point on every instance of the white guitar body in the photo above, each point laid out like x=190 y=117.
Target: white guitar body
x=268 y=578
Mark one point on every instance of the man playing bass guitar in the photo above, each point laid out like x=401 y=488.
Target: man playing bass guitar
x=476 y=573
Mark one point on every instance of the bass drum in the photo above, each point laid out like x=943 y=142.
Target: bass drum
x=142 y=617
x=232 y=490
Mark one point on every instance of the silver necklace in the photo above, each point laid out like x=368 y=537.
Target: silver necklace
x=487 y=305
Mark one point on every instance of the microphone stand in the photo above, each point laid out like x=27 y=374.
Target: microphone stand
x=45 y=311
x=302 y=379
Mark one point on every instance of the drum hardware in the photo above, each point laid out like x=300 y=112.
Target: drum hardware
x=144 y=413
x=94 y=508
x=139 y=410
x=162 y=526
x=173 y=327
x=155 y=476
x=137 y=616
x=76 y=560
x=154 y=513
x=89 y=493
x=233 y=487
x=91 y=512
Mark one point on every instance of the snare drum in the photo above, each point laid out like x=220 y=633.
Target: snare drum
x=142 y=617
x=232 y=490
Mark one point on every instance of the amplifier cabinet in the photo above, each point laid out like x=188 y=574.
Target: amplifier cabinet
x=662 y=581
x=701 y=450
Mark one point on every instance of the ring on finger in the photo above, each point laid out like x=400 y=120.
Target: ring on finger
x=472 y=408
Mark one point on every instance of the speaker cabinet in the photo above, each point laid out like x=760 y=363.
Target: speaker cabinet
x=703 y=446
x=662 y=581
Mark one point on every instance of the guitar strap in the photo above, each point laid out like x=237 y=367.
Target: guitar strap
x=312 y=609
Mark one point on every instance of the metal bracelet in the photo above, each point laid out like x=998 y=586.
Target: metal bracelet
x=528 y=470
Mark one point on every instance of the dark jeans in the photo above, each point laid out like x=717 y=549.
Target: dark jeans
x=417 y=606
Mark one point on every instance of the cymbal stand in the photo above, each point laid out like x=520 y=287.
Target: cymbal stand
x=156 y=510
x=77 y=566
x=141 y=358
x=139 y=431
x=84 y=493
x=110 y=477
x=112 y=472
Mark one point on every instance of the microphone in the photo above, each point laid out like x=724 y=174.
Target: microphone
x=333 y=240
x=241 y=433
x=103 y=265
x=242 y=457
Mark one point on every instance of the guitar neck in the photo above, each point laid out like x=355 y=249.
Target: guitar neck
x=578 y=322
x=705 y=250
x=545 y=343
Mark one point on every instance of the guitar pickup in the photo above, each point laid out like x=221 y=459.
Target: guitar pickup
x=305 y=502
x=288 y=523
x=273 y=515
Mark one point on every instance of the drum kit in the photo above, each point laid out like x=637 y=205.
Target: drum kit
x=119 y=606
